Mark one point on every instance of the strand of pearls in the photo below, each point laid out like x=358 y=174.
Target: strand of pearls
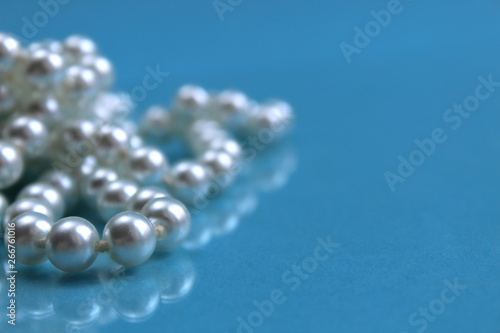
x=59 y=120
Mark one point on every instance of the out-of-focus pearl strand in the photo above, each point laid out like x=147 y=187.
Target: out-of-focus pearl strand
x=58 y=120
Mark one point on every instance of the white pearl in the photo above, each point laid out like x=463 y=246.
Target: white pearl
x=29 y=229
x=44 y=68
x=27 y=205
x=63 y=182
x=76 y=47
x=9 y=47
x=80 y=82
x=146 y=165
x=130 y=237
x=232 y=102
x=218 y=162
x=4 y=204
x=28 y=133
x=44 y=108
x=156 y=122
x=11 y=164
x=95 y=181
x=102 y=67
x=191 y=97
x=110 y=142
x=143 y=196
x=276 y=116
x=46 y=193
x=113 y=197
x=78 y=134
x=50 y=45
x=188 y=179
x=229 y=146
x=71 y=244
x=172 y=215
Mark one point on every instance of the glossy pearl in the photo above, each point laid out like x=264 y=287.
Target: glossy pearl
x=77 y=135
x=218 y=162
x=29 y=229
x=44 y=108
x=187 y=180
x=191 y=97
x=156 y=122
x=71 y=244
x=143 y=196
x=146 y=165
x=102 y=67
x=28 y=133
x=46 y=193
x=4 y=204
x=77 y=47
x=63 y=182
x=9 y=47
x=79 y=81
x=171 y=215
x=110 y=142
x=114 y=197
x=232 y=102
x=27 y=205
x=130 y=237
x=229 y=146
x=44 y=67
x=276 y=116
x=11 y=164
x=93 y=183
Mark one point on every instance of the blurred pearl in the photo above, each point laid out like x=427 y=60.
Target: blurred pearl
x=131 y=238
x=229 y=146
x=7 y=100
x=146 y=165
x=143 y=196
x=95 y=181
x=9 y=47
x=173 y=216
x=27 y=133
x=3 y=207
x=102 y=67
x=114 y=197
x=44 y=108
x=188 y=179
x=191 y=97
x=231 y=102
x=276 y=116
x=156 y=122
x=46 y=193
x=44 y=67
x=50 y=45
x=27 y=205
x=11 y=164
x=77 y=135
x=110 y=141
x=76 y=47
x=71 y=244
x=80 y=82
x=218 y=162
x=29 y=228
x=63 y=182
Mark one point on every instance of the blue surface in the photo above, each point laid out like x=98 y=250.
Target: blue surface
x=397 y=252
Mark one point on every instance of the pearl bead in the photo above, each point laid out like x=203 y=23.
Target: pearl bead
x=11 y=164
x=171 y=215
x=95 y=181
x=28 y=133
x=231 y=102
x=229 y=146
x=76 y=47
x=146 y=165
x=191 y=97
x=131 y=238
x=7 y=100
x=44 y=67
x=44 y=108
x=110 y=141
x=29 y=228
x=79 y=82
x=27 y=205
x=63 y=182
x=143 y=196
x=46 y=193
x=4 y=204
x=276 y=116
x=9 y=47
x=50 y=45
x=77 y=135
x=218 y=162
x=187 y=179
x=156 y=122
x=114 y=197
x=71 y=244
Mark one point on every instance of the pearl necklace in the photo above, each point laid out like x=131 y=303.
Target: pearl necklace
x=59 y=120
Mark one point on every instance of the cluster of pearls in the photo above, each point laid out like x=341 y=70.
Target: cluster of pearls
x=69 y=131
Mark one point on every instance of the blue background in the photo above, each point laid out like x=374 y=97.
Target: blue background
x=395 y=249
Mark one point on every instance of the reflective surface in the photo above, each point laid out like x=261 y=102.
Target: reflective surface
x=311 y=238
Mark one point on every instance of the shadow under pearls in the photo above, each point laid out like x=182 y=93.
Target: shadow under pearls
x=49 y=300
